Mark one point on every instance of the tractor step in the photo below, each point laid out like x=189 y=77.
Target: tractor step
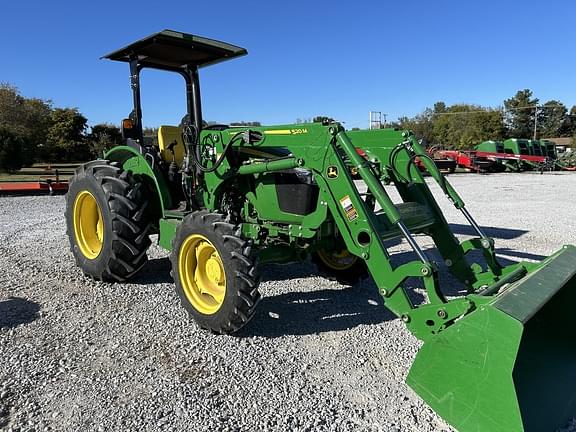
x=417 y=217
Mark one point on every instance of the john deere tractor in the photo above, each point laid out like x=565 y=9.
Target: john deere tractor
x=225 y=199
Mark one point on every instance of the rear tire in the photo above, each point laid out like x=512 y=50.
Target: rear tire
x=107 y=221
x=215 y=272
x=340 y=266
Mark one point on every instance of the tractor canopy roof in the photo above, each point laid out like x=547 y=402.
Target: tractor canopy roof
x=172 y=50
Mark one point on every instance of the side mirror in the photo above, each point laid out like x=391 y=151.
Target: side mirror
x=128 y=130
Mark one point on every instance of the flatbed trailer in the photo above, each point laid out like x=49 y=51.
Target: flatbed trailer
x=443 y=164
x=516 y=162
x=471 y=160
x=32 y=188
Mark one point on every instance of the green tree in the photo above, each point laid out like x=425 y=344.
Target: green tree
x=520 y=111
x=37 y=118
x=462 y=125
x=552 y=118
x=11 y=151
x=568 y=128
x=103 y=137
x=420 y=124
x=11 y=108
x=66 y=138
x=440 y=107
x=27 y=118
x=246 y=123
x=322 y=119
x=151 y=135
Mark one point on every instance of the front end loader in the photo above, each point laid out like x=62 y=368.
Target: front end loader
x=225 y=199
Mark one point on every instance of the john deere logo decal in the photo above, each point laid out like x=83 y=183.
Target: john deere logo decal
x=332 y=172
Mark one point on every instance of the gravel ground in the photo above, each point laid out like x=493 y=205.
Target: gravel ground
x=82 y=355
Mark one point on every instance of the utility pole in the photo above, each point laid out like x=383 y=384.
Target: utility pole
x=535 y=122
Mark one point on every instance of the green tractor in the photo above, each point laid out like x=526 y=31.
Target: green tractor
x=225 y=199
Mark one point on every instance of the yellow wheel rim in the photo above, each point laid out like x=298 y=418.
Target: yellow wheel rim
x=88 y=225
x=202 y=274
x=337 y=260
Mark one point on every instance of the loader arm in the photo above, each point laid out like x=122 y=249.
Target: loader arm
x=492 y=336
x=364 y=232
x=329 y=153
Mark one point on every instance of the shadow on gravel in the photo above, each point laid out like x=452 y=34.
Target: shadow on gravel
x=516 y=254
x=501 y=233
x=16 y=311
x=303 y=313
x=279 y=272
x=154 y=271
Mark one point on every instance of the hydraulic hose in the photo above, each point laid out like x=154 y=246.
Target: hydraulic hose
x=192 y=131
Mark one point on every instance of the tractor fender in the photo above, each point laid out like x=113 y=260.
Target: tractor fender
x=132 y=160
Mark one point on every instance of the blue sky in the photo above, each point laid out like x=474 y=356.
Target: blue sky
x=340 y=59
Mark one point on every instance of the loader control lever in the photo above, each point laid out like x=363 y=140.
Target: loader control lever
x=173 y=167
x=171 y=147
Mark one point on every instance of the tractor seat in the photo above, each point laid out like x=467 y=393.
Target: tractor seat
x=166 y=136
x=416 y=216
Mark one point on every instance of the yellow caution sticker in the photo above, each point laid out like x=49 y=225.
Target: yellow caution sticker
x=348 y=207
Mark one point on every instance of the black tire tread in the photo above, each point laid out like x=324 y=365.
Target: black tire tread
x=351 y=276
x=127 y=207
x=244 y=289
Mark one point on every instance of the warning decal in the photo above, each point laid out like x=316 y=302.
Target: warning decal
x=348 y=207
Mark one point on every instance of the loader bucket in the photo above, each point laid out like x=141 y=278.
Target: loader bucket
x=510 y=365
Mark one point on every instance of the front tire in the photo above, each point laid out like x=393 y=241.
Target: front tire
x=107 y=221
x=215 y=272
